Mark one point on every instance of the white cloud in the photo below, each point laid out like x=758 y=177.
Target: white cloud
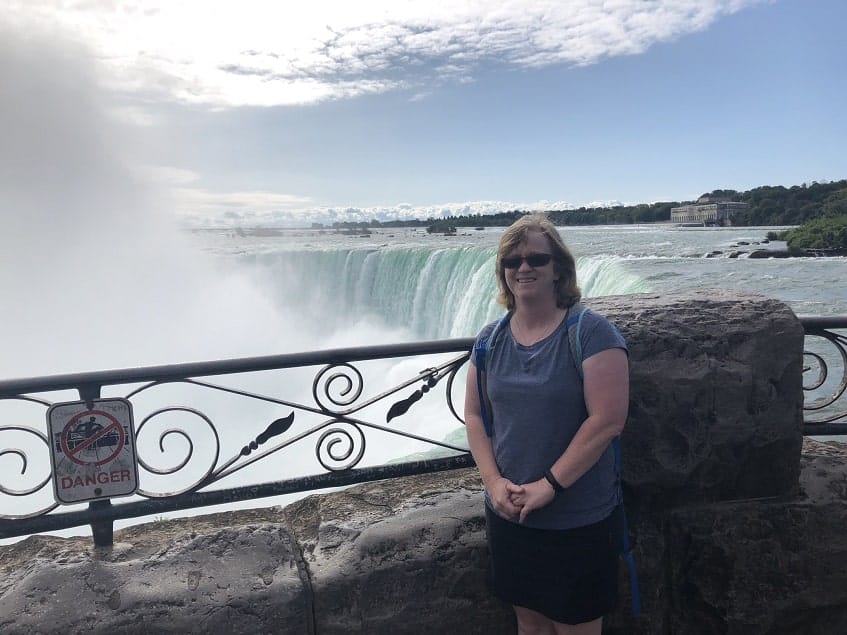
x=262 y=52
x=201 y=208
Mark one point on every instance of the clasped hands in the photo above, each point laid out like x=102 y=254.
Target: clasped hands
x=510 y=500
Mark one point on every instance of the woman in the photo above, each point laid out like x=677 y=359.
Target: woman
x=552 y=495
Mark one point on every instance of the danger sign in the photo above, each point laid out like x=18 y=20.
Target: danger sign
x=93 y=450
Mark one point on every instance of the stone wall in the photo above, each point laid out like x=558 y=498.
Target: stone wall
x=735 y=530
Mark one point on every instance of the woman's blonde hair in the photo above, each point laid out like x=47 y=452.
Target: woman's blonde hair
x=567 y=290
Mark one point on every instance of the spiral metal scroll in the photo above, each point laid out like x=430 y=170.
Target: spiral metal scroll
x=341 y=446
x=181 y=464
x=814 y=361
x=24 y=466
x=341 y=384
x=24 y=461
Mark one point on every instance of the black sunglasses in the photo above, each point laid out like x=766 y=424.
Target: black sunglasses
x=533 y=260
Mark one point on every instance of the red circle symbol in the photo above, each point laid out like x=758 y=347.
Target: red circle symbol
x=81 y=436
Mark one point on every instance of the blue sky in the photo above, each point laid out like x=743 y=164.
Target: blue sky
x=272 y=113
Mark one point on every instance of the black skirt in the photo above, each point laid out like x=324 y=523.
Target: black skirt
x=567 y=575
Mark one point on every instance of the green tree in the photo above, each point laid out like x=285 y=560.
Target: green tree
x=828 y=232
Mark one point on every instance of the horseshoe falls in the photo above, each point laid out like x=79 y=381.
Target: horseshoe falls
x=430 y=292
x=403 y=284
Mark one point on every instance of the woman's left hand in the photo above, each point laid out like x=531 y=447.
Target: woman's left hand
x=531 y=496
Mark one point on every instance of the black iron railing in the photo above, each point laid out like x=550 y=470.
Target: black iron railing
x=337 y=421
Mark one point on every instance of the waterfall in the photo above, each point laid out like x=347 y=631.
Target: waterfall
x=432 y=292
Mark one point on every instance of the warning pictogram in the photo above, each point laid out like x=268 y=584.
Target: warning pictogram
x=93 y=453
x=84 y=440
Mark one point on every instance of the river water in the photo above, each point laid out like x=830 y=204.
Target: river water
x=439 y=286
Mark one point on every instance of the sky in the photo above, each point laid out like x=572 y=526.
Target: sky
x=276 y=113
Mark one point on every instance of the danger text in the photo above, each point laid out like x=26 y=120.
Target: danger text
x=97 y=478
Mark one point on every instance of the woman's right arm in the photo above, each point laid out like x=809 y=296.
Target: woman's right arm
x=479 y=443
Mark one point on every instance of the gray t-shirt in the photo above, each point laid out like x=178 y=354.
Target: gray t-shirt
x=538 y=405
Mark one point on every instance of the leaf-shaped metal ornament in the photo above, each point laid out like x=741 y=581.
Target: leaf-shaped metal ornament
x=275 y=428
x=401 y=407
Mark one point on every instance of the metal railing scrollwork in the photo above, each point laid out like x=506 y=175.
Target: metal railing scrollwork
x=825 y=375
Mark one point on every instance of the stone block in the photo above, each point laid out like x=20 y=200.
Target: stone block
x=756 y=567
x=195 y=575
x=400 y=556
x=716 y=396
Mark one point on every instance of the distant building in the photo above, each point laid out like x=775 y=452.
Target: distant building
x=707 y=212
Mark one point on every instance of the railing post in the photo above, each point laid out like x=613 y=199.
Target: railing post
x=102 y=530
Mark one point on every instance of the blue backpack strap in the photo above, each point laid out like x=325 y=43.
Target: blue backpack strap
x=481 y=350
x=626 y=547
x=574 y=323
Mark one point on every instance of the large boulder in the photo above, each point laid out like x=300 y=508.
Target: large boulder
x=399 y=556
x=776 y=566
x=715 y=415
x=716 y=396
x=228 y=573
